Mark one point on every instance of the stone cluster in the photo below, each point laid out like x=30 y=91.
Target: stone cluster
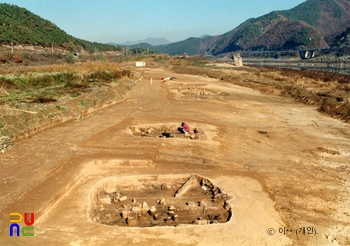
x=5 y=144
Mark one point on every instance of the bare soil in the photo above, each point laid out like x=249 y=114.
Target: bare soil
x=281 y=165
x=330 y=92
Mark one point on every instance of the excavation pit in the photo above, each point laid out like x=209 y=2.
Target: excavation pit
x=199 y=93
x=148 y=201
x=166 y=131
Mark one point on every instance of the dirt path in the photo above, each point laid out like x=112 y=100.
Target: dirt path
x=281 y=164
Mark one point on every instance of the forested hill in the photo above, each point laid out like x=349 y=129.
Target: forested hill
x=312 y=24
x=20 y=26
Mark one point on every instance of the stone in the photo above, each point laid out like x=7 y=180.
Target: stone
x=136 y=209
x=190 y=183
x=152 y=210
x=123 y=198
x=110 y=189
x=79 y=117
x=105 y=200
x=162 y=202
x=5 y=144
x=201 y=222
x=171 y=208
x=158 y=216
x=131 y=221
x=175 y=217
x=124 y=214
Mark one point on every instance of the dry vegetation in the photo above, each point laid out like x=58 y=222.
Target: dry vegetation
x=33 y=97
x=330 y=92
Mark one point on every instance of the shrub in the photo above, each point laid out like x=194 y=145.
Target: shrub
x=70 y=59
x=3 y=58
x=17 y=58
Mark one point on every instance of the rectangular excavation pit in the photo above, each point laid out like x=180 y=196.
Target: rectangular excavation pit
x=198 y=131
x=148 y=201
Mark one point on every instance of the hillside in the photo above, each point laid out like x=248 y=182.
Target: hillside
x=342 y=40
x=189 y=46
x=20 y=26
x=314 y=23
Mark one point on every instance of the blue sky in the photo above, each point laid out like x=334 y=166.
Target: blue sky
x=132 y=20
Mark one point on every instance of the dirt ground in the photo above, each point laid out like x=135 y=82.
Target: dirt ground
x=276 y=171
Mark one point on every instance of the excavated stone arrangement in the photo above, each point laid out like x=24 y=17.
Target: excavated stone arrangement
x=173 y=202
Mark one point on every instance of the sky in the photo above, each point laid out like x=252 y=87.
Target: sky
x=119 y=21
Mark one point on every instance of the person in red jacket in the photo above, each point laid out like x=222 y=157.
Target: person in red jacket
x=185 y=128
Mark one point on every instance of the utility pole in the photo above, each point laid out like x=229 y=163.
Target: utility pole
x=11 y=38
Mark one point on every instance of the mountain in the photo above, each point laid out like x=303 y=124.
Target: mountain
x=342 y=40
x=314 y=23
x=189 y=46
x=20 y=26
x=151 y=41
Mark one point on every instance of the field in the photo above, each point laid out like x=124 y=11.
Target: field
x=266 y=161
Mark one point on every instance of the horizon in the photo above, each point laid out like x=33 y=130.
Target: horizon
x=130 y=21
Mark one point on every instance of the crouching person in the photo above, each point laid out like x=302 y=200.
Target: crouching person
x=185 y=128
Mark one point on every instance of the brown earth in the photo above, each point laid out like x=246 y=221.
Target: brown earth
x=284 y=166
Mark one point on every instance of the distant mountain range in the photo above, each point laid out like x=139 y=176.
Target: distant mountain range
x=312 y=24
x=151 y=41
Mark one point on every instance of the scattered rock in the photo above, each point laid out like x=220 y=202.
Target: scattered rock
x=162 y=202
x=124 y=214
x=152 y=210
x=158 y=216
x=175 y=217
x=131 y=221
x=125 y=207
x=167 y=219
x=168 y=134
x=109 y=189
x=79 y=117
x=123 y=198
x=135 y=209
x=5 y=144
x=201 y=222
x=105 y=200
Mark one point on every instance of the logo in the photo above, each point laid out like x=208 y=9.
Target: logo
x=28 y=230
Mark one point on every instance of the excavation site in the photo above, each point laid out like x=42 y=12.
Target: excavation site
x=220 y=155
x=156 y=201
